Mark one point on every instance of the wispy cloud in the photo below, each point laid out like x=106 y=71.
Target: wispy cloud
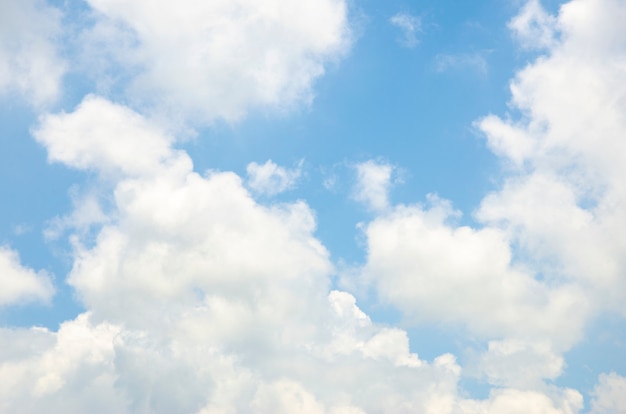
x=475 y=61
x=410 y=26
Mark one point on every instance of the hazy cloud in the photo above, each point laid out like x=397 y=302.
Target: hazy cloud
x=410 y=26
x=29 y=58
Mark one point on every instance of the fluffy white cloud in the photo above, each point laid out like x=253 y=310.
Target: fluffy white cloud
x=564 y=204
x=410 y=26
x=534 y=27
x=609 y=395
x=518 y=364
x=68 y=371
x=272 y=179
x=373 y=180
x=218 y=59
x=130 y=145
x=29 y=60
x=562 y=207
x=548 y=251
x=522 y=402
x=21 y=284
x=423 y=265
x=202 y=300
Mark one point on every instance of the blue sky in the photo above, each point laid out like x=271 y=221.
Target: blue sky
x=324 y=207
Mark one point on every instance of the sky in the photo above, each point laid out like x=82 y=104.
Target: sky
x=322 y=206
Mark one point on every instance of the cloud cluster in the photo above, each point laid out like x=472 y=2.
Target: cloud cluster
x=201 y=300
x=564 y=203
x=210 y=60
x=548 y=252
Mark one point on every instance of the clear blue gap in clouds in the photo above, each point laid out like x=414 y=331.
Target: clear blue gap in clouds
x=385 y=100
x=33 y=193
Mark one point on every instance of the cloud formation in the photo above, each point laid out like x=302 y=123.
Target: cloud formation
x=271 y=179
x=21 y=284
x=30 y=64
x=218 y=59
x=410 y=26
x=189 y=272
x=373 y=181
x=200 y=299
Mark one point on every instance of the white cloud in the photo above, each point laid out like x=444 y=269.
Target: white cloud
x=423 y=265
x=518 y=364
x=202 y=299
x=373 y=180
x=564 y=203
x=69 y=371
x=130 y=145
x=410 y=26
x=218 y=59
x=609 y=395
x=533 y=27
x=21 y=284
x=523 y=401
x=475 y=61
x=548 y=252
x=272 y=179
x=29 y=60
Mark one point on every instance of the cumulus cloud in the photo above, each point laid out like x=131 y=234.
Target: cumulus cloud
x=609 y=395
x=533 y=27
x=202 y=300
x=209 y=60
x=422 y=264
x=29 y=60
x=519 y=364
x=373 y=181
x=272 y=179
x=523 y=401
x=21 y=284
x=548 y=252
x=564 y=203
x=410 y=26
x=562 y=206
x=130 y=146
